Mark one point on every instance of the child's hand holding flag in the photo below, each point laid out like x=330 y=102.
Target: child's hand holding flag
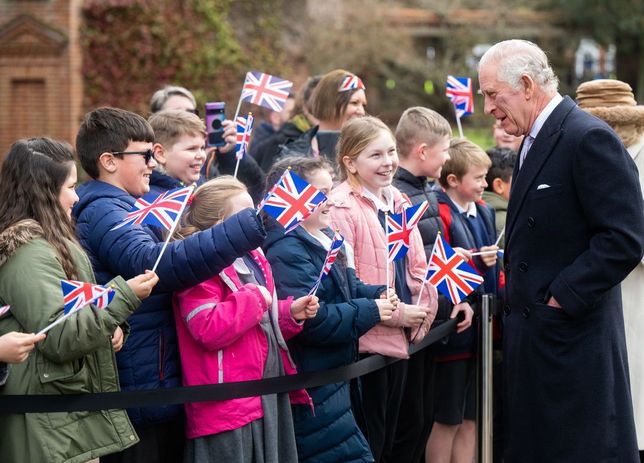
x=305 y=307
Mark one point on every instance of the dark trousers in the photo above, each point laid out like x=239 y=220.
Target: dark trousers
x=417 y=408
x=382 y=393
x=162 y=443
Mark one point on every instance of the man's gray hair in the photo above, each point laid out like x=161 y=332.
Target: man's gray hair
x=161 y=96
x=516 y=58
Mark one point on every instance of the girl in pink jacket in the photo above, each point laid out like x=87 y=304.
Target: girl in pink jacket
x=233 y=328
x=367 y=161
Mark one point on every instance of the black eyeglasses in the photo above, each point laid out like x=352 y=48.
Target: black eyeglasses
x=147 y=155
x=193 y=111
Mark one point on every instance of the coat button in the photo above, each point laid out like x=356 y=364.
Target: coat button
x=531 y=222
x=506 y=310
x=526 y=312
x=523 y=267
x=132 y=437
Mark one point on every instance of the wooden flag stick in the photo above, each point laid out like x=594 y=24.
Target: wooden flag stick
x=458 y=124
x=498 y=240
x=386 y=254
x=242 y=144
x=483 y=253
x=420 y=293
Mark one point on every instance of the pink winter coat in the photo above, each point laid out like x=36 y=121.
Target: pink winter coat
x=221 y=340
x=357 y=218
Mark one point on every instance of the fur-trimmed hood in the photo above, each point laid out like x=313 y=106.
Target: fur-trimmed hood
x=17 y=235
x=619 y=115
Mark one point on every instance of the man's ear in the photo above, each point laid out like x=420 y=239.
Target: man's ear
x=528 y=85
x=159 y=153
x=108 y=162
x=498 y=186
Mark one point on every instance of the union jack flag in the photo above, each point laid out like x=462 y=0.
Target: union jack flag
x=400 y=226
x=4 y=310
x=291 y=200
x=77 y=294
x=459 y=91
x=351 y=82
x=449 y=273
x=331 y=254
x=266 y=90
x=162 y=211
x=336 y=245
x=244 y=131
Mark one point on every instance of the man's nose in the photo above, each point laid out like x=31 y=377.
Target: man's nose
x=488 y=105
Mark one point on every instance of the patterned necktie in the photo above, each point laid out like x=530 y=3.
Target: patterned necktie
x=526 y=147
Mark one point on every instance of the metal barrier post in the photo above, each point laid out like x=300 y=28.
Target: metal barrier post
x=484 y=422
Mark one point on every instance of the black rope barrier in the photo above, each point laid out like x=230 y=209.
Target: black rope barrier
x=47 y=403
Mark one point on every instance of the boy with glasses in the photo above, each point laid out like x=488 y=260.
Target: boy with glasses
x=114 y=147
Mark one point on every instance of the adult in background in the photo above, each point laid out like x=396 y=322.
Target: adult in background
x=268 y=123
x=613 y=102
x=173 y=97
x=221 y=160
x=502 y=139
x=338 y=97
x=574 y=230
x=267 y=151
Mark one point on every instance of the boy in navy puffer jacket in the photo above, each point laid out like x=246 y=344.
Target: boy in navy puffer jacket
x=115 y=149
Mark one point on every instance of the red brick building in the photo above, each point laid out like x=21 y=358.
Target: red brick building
x=41 y=85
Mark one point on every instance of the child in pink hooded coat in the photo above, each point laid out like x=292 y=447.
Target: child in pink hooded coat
x=233 y=328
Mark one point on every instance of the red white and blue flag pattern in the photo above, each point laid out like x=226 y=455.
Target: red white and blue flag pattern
x=244 y=131
x=459 y=91
x=291 y=200
x=77 y=294
x=266 y=90
x=336 y=245
x=161 y=211
x=399 y=228
x=450 y=274
x=331 y=255
x=351 y=82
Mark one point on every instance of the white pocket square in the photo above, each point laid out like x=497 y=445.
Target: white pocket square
x=543 y=186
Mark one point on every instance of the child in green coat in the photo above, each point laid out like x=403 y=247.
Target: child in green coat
x=38 y=249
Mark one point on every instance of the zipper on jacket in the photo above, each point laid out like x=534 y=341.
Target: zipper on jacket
x=220 y=366
x=161 y=356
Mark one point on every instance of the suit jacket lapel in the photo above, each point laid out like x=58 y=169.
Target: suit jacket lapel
x=541 y=149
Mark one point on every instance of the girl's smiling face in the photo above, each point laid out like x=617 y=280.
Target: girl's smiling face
x=375 y=166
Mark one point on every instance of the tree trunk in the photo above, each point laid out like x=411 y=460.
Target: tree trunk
x=630 y=63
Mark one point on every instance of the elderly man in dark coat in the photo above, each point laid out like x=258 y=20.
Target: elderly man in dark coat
x=574 y=230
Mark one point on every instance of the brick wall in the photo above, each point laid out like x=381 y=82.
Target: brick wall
x=40 y=70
